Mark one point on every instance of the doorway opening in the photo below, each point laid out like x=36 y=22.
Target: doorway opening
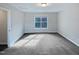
x=5 y=28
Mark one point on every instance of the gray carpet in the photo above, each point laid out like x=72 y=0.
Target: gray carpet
x=42 y=44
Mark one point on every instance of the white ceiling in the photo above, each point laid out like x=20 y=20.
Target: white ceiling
x=34 y=7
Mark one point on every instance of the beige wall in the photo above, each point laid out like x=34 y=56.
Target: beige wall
x=3 y=26
x=68 y=23
x=30 y=25
x=17 y=27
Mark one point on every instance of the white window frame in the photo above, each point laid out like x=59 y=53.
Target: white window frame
x=41 y=22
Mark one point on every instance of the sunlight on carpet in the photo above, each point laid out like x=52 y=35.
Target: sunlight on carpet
x=30 y=41
x=24 y=41
x=34 y=41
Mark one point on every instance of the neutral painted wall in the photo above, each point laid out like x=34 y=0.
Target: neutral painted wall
x=3 y=26
x=17 y=27
x=30 y=26
x=68 y=22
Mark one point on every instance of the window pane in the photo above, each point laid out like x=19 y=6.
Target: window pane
x=37 y=25
x=44 y=25
x=44 y=19
x=37 y=19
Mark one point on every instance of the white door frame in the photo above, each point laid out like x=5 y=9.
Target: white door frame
x=8 y=19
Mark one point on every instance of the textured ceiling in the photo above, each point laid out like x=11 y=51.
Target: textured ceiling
x=35 y=7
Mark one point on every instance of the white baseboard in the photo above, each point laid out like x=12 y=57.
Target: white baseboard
x=40 y=32
x=69 y=39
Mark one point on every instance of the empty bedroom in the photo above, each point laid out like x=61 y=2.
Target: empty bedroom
x=39 y=28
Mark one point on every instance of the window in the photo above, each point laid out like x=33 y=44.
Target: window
x=40 y=22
